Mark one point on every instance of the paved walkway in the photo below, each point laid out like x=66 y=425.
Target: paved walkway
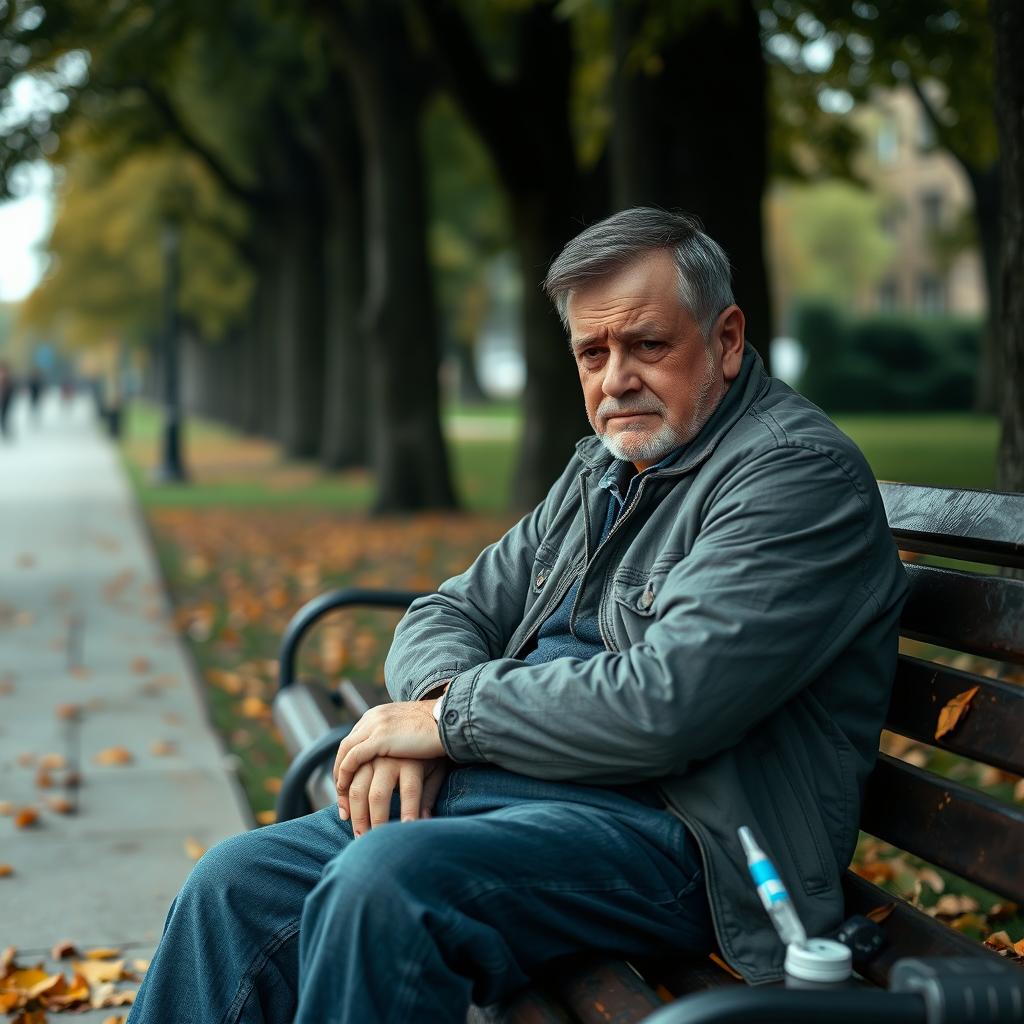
x=84 y=621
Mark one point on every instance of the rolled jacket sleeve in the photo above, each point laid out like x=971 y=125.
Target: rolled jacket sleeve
x=780 y=578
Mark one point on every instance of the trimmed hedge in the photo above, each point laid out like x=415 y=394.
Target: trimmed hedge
x=887 y=363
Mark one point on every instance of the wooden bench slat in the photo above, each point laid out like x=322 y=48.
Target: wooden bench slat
x=948 y=824
x=908 y=931
x=605 y=992
x=965 y=611
x=530 y=1006
x=992 y=731
x=977 y=526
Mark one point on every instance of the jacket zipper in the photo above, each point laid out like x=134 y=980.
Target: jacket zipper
x=563 y=588
x=609 y=642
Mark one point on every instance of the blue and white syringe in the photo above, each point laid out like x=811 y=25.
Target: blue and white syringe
x=773 y=893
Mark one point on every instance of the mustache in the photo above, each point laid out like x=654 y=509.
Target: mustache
x=615 y=407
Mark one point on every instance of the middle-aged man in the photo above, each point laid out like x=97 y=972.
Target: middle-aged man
x=695 y=630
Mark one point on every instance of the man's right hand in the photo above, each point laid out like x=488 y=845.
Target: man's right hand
x=368 y=800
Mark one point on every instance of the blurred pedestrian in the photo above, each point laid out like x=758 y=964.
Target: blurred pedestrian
x=6 y=394
x=35 y=384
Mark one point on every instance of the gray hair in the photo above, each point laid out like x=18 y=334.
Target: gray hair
x=704 y=277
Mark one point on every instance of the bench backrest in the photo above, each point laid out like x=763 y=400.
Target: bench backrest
x=970 y=611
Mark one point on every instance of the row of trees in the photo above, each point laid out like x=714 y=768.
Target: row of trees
x=325 y=158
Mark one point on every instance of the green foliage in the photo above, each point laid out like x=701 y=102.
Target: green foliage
x=107 y=266
x=470 y=219
x=826 y=241
x=6 y=322
x=850 y=47
x=887 y=363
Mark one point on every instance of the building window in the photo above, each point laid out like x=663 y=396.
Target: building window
x=931 y=294
x=889 y=295
x=890 y=220
x=926 y=140
x=931 y=209
x=888 y=141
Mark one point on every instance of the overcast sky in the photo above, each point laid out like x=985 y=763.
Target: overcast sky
x=24 y=225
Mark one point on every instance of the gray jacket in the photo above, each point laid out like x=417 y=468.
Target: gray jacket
x=748 y=599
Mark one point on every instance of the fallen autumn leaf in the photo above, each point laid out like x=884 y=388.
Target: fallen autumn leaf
x=954 y=711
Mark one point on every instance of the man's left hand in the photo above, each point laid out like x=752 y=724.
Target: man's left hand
x=406 y=729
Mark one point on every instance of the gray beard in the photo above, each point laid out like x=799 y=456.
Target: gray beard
x=632 y=447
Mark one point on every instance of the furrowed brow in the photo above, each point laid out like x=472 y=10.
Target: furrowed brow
x=638 y=332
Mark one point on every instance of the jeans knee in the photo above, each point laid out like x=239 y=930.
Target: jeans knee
x=222 y=872
x=387 y=859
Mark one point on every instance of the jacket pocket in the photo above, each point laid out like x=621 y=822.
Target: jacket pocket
x=806 y=851
x=543 y=562
x=637 y=596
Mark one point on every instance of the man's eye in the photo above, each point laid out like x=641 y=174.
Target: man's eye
x=650 y=346
x=591 y=353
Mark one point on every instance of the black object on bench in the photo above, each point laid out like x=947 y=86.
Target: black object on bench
x=950 y=824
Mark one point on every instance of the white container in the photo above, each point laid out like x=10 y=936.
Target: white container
x=818 y=962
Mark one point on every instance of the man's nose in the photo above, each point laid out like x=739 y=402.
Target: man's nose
x=619 y=376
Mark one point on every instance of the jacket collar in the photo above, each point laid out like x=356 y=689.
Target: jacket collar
x=740 y=396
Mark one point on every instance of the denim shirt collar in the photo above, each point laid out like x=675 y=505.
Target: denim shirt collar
x=621 y=473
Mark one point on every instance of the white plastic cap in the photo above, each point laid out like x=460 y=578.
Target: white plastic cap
x=821 y=960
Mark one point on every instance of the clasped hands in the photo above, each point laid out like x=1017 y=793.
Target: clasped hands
x=393 y=746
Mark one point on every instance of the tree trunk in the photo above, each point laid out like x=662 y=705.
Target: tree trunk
x=554 y=416
x=986 y=187
x=671 y=148
x=1008 y=25
x=409 y=457
x=346 y=432
x=300 y=312
x=526 y=125
x=469 y=390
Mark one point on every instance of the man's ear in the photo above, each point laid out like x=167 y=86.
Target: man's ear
x=730 y=332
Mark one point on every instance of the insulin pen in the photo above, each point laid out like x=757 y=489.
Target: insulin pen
x=772 y=892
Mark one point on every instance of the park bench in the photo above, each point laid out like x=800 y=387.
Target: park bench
x=973 y=609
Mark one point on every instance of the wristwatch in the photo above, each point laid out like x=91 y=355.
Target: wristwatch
x=438 y=708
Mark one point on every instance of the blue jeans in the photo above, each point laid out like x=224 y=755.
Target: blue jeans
x=416 y=920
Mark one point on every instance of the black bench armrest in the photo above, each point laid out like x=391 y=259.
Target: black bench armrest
x=311 y=612
x=291 y=800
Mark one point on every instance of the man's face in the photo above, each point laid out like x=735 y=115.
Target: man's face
x=650 y=380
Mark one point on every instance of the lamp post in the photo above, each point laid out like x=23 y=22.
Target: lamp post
x=171 y=468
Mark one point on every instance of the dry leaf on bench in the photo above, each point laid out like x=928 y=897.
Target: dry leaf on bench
x=879 y=914
x=6 y=807
x=113 y=755
x=163 y=748
x=63 y=949
x=952 y=905
x=6 y=871
x=954 y=711
x=60 y=805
